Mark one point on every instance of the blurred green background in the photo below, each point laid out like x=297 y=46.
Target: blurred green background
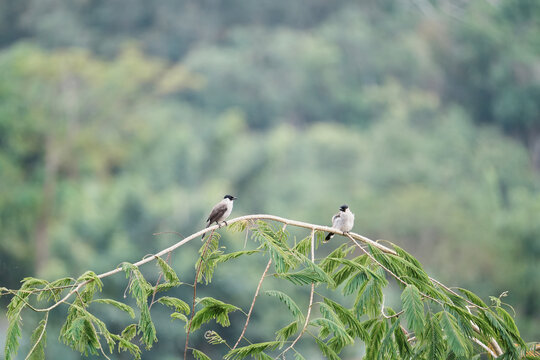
x=122 y=118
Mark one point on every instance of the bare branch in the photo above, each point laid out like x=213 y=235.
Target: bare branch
x=253 y=303
x=39 y=338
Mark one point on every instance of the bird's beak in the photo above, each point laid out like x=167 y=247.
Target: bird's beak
x=234 y=198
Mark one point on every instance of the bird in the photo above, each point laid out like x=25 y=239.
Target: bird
x=343 y=221
x=220 y=212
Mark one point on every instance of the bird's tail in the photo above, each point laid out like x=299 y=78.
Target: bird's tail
x=203 y=235
x=328 y=237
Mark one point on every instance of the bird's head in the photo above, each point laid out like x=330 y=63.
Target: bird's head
x=230 y=197
x=343 y=207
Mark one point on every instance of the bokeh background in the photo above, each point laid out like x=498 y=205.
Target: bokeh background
x=119 y=119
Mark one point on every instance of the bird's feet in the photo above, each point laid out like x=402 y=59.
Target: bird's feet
x=221 y=224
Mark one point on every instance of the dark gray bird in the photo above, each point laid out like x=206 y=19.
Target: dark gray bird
x=343 y=221
x=221 y=211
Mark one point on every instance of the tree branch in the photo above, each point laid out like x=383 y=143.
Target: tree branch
x=208 y=240
x=306 y=225
x=152 y=302
x=313 y=227
x=39 y=338
x=475 y=327
x=253 y=303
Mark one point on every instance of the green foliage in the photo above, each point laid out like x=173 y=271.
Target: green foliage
x=304 y=246
x=253 y=350
x=179 y=316
x=331 y=262
x=388 y=347
x=327 y=350
x=55 y=288
x=474 y=298
x=337 y=329
x=436 y=348
x=413 y=308
x=374 y=343
x=347 y=318
x=12 y=338
x=340 y=319
x=289 y=302
x=387 y=109
x=199 y=355
x=117 y=304
x=286 y=332
x=226 y=257
x=455 y=337
x=210 y=254
x=212 y=309
x=82 y=336
x=175 y=303
x=402 y=344
x=311 y=273
x=129 y=332
x=125 y=345
x=140 y=289
x=368 y=299
x=168 y=272
x=274 y=241
x=214 y=338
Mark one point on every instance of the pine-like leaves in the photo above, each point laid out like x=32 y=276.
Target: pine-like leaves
x=413 y=308
x=168 y=272
x=181 y=307
x=286 y=332
x=12 y=337
x=175 y=303
x=274 y=241
x=199 y=355
x=140 y=289
x=212 y=309
x=327 y=350
x=286 y=299
x=117 y=304
x=253 y=350
x=456 y=332
x=436 y=348
x=311 y=273
x=374 y=343
x=457 y=342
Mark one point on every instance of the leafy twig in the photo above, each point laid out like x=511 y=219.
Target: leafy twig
x=310 y=301
x=157 y=283
x=208 y=240
x=39 y=338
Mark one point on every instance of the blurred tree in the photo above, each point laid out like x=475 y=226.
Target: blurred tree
x=491 y=65
x=84 y=113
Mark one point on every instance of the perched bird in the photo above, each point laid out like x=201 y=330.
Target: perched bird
x=221 y=211
x=343 y=221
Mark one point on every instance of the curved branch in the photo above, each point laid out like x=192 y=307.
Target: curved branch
x=171 y=248
x=353 y=236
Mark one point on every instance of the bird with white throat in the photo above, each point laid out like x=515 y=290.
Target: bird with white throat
x=343 y=221
x=220 y=212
